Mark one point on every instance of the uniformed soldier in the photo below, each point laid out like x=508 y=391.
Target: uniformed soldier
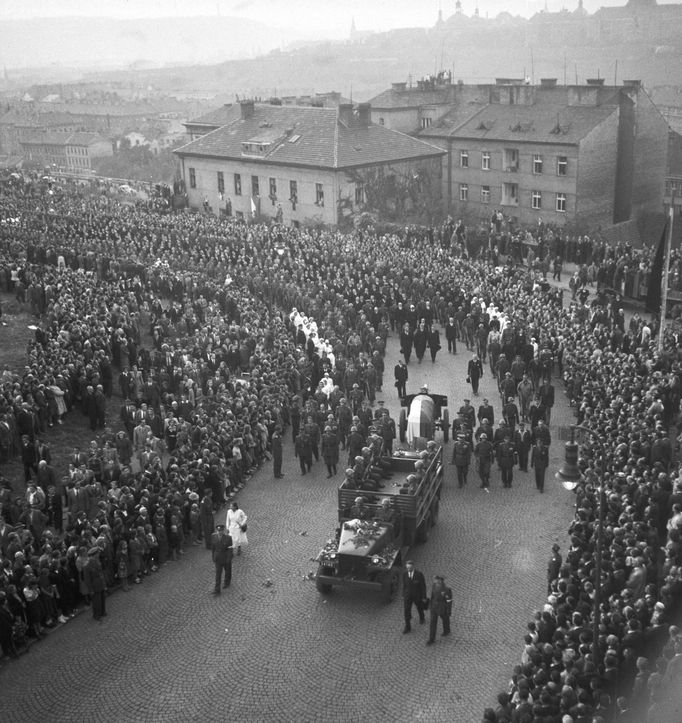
x=461 y=456
x=510 y=412
x=553 y=567
x=304 y=451
x=468 y=413
x=484 y=454
x=506 y=459
x=539 y=461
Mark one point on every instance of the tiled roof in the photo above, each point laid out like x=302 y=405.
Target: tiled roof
x=452 y=120
x=27 y=119
x=543 y=123
x=412 y=98
x=308 y=137
x=98 y=109
x=218 y=116
x=57 y=138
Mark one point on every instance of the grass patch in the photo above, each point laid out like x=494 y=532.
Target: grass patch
x=75 y=432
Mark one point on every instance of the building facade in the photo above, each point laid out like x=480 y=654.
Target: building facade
x=304 y=165
x=588 y=155
x=70 y=152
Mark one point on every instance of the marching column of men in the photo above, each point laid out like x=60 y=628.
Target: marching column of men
x=514 y=443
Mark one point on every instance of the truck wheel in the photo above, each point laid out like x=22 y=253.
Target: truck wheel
x=424 y=529
x=323 y=587
x=445 y=421
x=402 y=425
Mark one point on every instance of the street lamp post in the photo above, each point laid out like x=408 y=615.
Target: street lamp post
x=569 y=475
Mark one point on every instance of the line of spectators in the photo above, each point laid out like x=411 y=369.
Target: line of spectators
x=226 y=364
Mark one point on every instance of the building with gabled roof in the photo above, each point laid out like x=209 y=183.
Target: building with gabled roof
x=591 y=155
x=72 y=152
x=298 y=163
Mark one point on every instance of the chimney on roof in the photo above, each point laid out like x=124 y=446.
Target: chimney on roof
x=247 y=108
x=596 y=81
x=399 y=86
x=364 y=114
x=632 y=83
x=346 y=114
x=548 y=82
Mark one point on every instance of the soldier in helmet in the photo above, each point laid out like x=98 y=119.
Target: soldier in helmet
x=461 y=457
x=506 y=459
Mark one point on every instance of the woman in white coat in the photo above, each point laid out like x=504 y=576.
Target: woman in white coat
x=236 y=526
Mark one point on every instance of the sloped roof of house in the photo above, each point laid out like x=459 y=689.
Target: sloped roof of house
x=306 y=136
x=412 y=97
x=60 y=138
x=217 y=117
x=556 y=123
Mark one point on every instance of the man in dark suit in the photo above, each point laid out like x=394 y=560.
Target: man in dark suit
x=441 y=607
x=94 y=578
x=522 y=442
x=401 y=375
x=539 y=461
x=414 y=592
x=221 y=544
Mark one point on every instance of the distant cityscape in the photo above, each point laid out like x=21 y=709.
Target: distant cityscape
x=94 y=123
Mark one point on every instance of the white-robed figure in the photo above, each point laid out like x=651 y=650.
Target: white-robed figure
x=420 y=417
x=236 y=524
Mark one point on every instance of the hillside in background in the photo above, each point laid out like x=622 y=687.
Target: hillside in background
x=109 y=42
x=365 y=68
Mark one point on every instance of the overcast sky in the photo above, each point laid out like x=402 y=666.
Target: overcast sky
x=326 y=18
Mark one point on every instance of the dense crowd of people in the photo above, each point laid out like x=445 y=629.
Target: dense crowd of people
x=220 y=336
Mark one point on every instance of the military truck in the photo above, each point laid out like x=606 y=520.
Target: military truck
x=369 y=554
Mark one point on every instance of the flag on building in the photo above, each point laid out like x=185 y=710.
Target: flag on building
x=253 y=207
x=655 y=289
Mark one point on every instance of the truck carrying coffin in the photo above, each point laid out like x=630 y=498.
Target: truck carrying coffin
x=370 y=553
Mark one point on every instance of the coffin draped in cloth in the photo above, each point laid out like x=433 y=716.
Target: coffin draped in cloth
x=420 y=418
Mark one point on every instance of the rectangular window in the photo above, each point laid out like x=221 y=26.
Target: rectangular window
x=192 y=178
x=319 y=194
x=464 y=159
x=561 y=202
x=463 y=192
x=221 y=182
x=511 y=160
x=510 y=194
x=237 y=184
x=536 y=199
x=561 y=165
x=426 y=122
x=255 y=186
x=381 y=121
x=485 y=194
x=273 y=189
x=293 y=191
x=485 y=161
x=537 y=164
x=359 y=193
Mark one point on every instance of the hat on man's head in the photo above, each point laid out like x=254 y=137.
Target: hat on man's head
x=219 y=527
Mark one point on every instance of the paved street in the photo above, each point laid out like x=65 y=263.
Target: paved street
x=271 y=648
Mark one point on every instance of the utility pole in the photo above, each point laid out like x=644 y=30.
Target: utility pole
x=666 y=271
